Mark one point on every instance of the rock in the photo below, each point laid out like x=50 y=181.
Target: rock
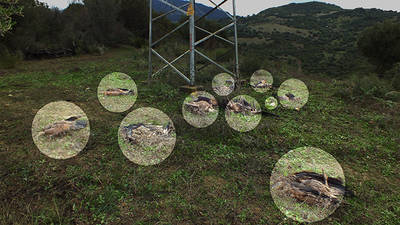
x=393 y=95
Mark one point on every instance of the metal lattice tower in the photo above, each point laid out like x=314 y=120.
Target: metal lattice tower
x=192 y=20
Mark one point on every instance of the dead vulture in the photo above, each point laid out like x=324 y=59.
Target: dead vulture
x=118 y=92
x=240 y=105
x=262 y=84
x=62 y=127
x=133 y=133
x=201 y=105
x=289 y=97
x=312 y=188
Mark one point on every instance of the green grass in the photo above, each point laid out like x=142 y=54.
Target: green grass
x=271 y=103
x=214 y=175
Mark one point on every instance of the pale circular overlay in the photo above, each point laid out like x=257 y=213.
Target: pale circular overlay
x=223 y=84
x=271 y=103
x=243 y=113
x=60 y=130
x=147 y=136
x=261 y=81
x=293 y=94
x=117 y=92
x=307 y=184
x=200 y=109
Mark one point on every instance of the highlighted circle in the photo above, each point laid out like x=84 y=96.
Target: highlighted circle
x=111 y=99
x=293 y=94
x=307 y=184
x=243 y=113
x=60 y=130
x=271 y=103
x=147 y=136
x=223 y=84
x=261 y=81
x=200 y=109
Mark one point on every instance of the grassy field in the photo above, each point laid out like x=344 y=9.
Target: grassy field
x=214 y=175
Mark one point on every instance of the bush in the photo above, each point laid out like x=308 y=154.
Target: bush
x=393 y=95
x=223 y=54
x=369 y=85
x=137 y=42
x=9 y=60
x=249 y=65
x=396 y=83
x=394 y=75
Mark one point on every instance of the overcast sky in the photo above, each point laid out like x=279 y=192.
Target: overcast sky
x=249 y=7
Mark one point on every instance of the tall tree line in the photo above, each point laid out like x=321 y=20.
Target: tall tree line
x=81 y=27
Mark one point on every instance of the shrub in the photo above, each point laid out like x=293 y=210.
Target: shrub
x=249 y=65
x=394 y=75
x=369 y=85
x=396 y=83
x=223 y=54
x=137 y=42
x=9 y=60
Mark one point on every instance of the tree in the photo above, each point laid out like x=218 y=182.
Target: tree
x=381 y=44
x=103 y=16
x=8 y=9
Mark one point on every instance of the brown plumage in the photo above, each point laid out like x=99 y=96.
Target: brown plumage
x=136 y=133
x=63 y=127
x=210 y=101
x=311 y=188
x=262 y=84
x=289 y=97
x=227 y=88
x=202 y=105
x=118 y=92
x=242 y=106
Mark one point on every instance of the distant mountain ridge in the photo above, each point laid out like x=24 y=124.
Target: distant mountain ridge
x=323 y=36
x=200 y=10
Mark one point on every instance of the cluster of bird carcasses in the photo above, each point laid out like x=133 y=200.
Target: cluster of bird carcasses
x=306 y=192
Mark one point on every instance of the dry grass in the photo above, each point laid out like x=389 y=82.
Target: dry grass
x=270 y=27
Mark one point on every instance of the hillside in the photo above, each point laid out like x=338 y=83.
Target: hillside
x=200 y=10
x=323 y=36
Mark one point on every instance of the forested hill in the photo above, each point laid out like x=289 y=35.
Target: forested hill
x=323 y=36
x=200 y=10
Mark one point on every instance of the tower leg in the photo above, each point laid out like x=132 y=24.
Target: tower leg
x=192 y=46
x=237 y=71
x=150 y=40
